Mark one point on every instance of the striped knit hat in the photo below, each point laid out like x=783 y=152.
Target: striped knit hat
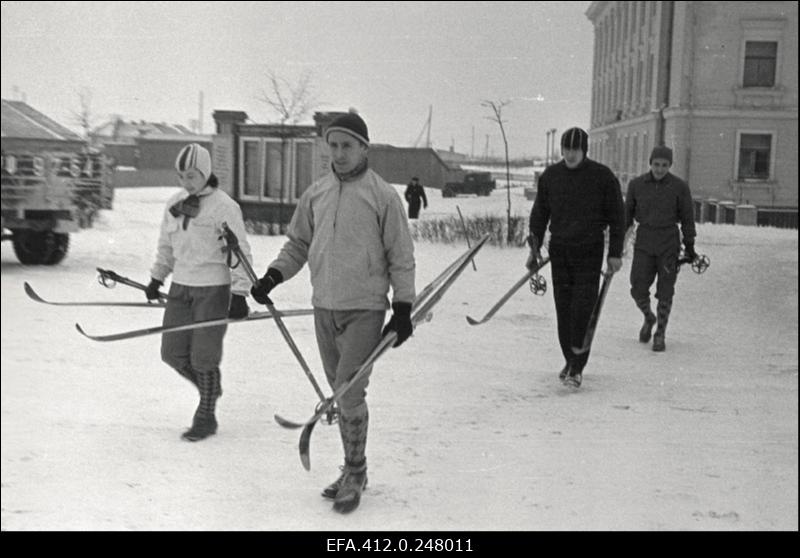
x=350 y=123
x=575 y=138
x=194 y=156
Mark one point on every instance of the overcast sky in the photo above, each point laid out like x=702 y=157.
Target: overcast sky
x=389 y=60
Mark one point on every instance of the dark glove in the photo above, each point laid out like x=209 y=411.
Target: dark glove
x=400 y=322
x=151 y=291
x=534 y=258
x=238 y=308
x=689 y=250
x=260 y=291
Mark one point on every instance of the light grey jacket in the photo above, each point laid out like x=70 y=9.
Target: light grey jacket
x=195 y=255
x=354 y=236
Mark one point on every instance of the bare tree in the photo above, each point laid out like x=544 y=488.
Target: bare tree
x=497 y=110
x=291 y=102
x=84 y=117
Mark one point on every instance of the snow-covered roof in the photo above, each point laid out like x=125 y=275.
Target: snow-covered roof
x=20 y=120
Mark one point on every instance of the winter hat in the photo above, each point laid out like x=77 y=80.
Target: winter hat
x=194 y=156
x=661 y=152
x=575 y=138
x=349 y=123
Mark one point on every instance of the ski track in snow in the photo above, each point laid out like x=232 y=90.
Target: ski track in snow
x=470 y=428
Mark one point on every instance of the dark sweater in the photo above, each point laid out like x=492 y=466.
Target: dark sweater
x=579 y=204
x=660 y=204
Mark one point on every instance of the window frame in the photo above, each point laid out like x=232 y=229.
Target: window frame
x=762 y=30
x=774 y=66
x=288 y=149
x=773 y=134
x=243 y=195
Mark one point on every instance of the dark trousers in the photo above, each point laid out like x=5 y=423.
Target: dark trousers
x=576 y=281
x=198 y=349
x=655 y=254
x=196 y=353
x=413 y=209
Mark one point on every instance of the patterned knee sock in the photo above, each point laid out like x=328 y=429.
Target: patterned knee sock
x=662 y=314
x=207 y=383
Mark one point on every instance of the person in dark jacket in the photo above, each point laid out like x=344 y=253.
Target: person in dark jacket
x=658 y=200
x=415 y=195
x=580 y=199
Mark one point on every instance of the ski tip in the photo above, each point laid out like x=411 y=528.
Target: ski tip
x=472 y=321
x=305 y=446
x=30 y=292
x=80 y=329
x=286 y=423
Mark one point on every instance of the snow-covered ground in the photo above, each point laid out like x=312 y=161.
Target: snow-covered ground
x=470 y=430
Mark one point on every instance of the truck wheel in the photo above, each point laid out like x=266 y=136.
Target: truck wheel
x=40 y=247
x=448 y=193
x=60 y=248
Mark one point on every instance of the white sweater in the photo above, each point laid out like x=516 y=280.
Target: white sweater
x=195 y=256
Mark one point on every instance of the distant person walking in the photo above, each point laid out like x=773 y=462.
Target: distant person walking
x=190 y=247
x=659 y=201
x=351 y=228
x=415 y=195
x=579 y=199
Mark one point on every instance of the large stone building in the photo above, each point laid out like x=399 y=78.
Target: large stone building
x=715 y=81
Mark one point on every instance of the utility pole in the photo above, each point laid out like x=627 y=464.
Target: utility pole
x=472 y=150
x=200 y=114
x=547 y=148
x=430 y=117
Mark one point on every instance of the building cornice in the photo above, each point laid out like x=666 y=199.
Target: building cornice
x=678 y=112
x=594 y=10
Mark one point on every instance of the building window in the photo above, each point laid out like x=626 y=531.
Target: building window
x=755 y=155
x=251 y=177
x=760 y=59
x=303 y=165
x=272 y=168
x=273 y=171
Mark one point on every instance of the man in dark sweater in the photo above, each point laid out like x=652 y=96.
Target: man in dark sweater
x=658 y=200
x=579 y=198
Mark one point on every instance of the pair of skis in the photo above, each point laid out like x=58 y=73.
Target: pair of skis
x=421 y=312
x=155 y=330
x=514 y=288
x=593 y=320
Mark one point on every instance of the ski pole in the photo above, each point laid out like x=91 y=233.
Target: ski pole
x=466 y=235
x=233 y=244
x=699 y=264
x=109 y=279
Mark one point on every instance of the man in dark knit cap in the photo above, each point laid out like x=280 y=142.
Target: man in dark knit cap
x=579 y=198
x=658 y=200
x=351 y=228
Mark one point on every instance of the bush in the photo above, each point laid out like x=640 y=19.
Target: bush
x=446 y=230
x=449 y=229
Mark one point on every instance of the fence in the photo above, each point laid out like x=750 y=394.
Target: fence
x=727 y=212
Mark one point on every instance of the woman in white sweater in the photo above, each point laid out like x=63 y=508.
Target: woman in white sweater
x=204 y=287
